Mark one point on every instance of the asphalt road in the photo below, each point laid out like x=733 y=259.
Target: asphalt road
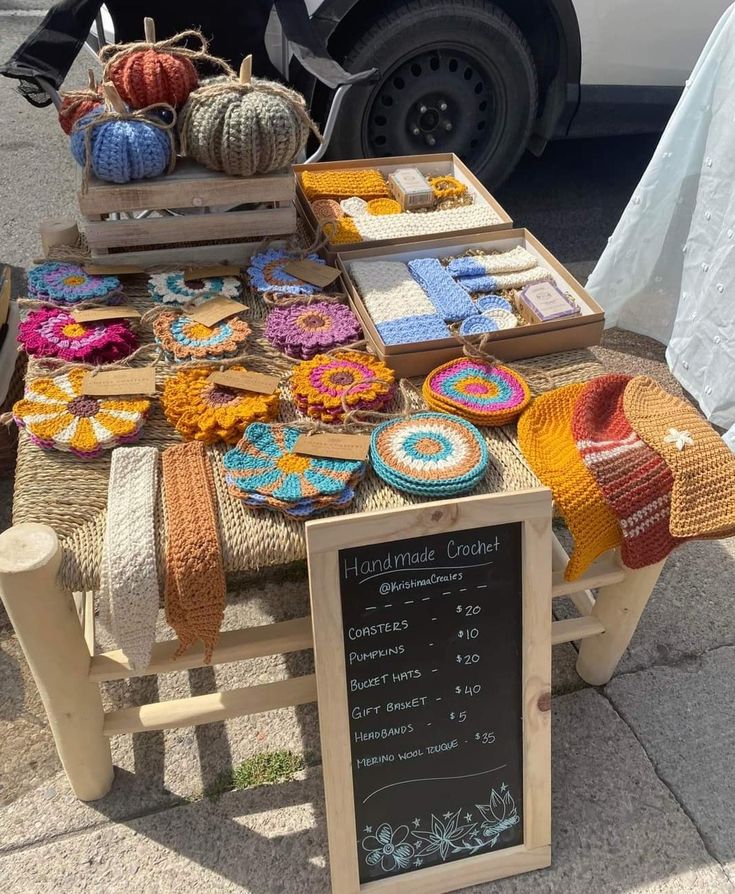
x=570 y=198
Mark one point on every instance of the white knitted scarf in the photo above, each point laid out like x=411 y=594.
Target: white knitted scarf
x=129 y=595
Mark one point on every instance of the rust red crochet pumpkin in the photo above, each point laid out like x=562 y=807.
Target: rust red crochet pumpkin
x=77 y=103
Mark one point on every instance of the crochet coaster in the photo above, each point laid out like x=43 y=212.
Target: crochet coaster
x=383 y=206
x=477 y=325
x=195 y=588
x=323 y=386
x=503 y=281
x=513 y=261
x=366 y=183
x=55 y=333
x=493 y=302
x=441 y=221
x=266 y=273
x=303 y=330
x=204 y=411
x=172 y=288
x=62 y=283
x=480 y=392
x=546 y=439
x=327 y=209
x=354 y=206
x=452 y=303
x=429 y=454
x=183 y=338
x=128 y=575
x=633 y=479
x=703 y=495
x=57 y=416
x=264 y=471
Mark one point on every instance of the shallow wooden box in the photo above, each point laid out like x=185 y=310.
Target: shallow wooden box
x=190 y=214
x=533 y=340
x=431 y=165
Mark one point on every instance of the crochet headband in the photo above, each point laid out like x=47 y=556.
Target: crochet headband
x=129 y=578
x=502 y=281
x=195 y=577
x=513 y=261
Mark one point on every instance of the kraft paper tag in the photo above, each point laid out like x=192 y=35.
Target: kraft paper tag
x=112 y=269
x=108 y=383
x=309 y=271
x=245 y=381
x=191 y=273
x=215 y=309
x=92 y=314
x=333 y=446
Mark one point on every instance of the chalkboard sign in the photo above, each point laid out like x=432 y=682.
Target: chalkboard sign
x=433 y=665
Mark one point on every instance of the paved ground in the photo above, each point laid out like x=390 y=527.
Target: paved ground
x=643 y=768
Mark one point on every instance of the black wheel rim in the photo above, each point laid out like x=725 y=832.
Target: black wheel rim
x=443 y=99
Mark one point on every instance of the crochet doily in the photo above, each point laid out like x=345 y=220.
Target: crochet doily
x=183 y=338
x=57 y=416
x=55 y=333
x=266 y=273
x=172 y=288
x=429 y=454
x=480 y=392
x=303 y=330
x=203 y=411
x=62 y=283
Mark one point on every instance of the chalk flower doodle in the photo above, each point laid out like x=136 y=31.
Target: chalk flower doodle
x=445 y=836
x=500 y=814
x=389 y=848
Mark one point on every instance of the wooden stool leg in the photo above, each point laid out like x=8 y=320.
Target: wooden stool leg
x=619 y=607
x=48 y=628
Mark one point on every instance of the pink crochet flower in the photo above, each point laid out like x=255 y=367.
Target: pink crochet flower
x=55 y=333
x=304 y=330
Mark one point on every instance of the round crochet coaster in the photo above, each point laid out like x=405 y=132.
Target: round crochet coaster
x=429 y=454
x=481 y=392
x=57 y=416
x=477 y=325
x=172 y=288
x=62 y=283
x=354 y=206
x=303 y=330
x=327 y=209
x=383 y=206
x=323 y=386
x=185 y=339
x=55 y=333
x=204 y=411
x=545 y=436
x=493 y=302
x=266 y=273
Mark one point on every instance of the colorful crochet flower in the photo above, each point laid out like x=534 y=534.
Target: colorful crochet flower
x=184 y=339
x=172 y=288
x=69 y=284
x=265 y=472
x=480 y=392
x=204 y=411
x=55 y=333
x=429 y=454
x=303 y=330
x=57 y=416
x=323 y=386
x=267 y=274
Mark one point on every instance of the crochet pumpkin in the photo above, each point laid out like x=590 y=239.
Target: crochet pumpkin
x=77 y=103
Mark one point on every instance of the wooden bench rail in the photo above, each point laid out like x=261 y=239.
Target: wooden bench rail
x=572 y=629
x=234 y=645
x=213 y=707
x=604 y=572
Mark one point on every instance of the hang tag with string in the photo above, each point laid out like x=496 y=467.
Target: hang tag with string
x=120 y=382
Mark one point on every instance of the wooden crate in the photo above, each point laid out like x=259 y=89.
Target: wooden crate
x=201 y=197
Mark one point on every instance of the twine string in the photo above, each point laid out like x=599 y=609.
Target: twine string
x=477 y=351
x=116 y=52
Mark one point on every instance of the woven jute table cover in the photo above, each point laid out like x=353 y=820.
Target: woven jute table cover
x=70 y=494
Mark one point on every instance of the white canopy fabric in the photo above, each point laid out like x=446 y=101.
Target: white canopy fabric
x=669 y=268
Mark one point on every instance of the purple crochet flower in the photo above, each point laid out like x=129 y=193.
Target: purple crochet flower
x=303 y=330
x=69 y=284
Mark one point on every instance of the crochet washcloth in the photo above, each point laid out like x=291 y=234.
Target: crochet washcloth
x=204 y=411
x=267 y=276
x=402 y=226
x=183 y=338
x=53 y=332
x=365 y=183
x=703 y=495
x=303 y=330
x=545 y=436
x=195 y=578
x=633 y=479
x=503 y=281
x=452 y=303
x=128 y=575
x=57 y=416
x=172 y=288
x=513 y=261
x=429 y=454
x=66 y=284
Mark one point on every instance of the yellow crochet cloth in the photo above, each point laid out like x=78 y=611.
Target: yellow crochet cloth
x=703 y=496
x=341 y=231
x=366 y=183
x=546 y=439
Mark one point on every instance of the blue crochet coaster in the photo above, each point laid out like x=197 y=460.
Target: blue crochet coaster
x=478 y=283
x=452 y=303
x=405 y=330
x=493 y=302
x=477 y=324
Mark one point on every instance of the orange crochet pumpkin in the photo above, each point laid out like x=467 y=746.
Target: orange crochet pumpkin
x=77 y=103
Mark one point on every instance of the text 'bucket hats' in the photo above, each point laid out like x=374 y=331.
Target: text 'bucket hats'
x=545 y=436
x=634 y=480
x=703 y=496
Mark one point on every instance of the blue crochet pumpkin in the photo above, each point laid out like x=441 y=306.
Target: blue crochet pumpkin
x=122 y=150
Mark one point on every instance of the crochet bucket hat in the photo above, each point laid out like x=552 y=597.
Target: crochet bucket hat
x=546 y=439
x=703 y=495
x=634 y=480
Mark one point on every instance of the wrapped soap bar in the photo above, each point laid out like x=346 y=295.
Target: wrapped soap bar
x=411 y=189
x=544 y=301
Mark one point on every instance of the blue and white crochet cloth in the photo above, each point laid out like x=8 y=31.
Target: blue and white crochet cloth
x=452 y=302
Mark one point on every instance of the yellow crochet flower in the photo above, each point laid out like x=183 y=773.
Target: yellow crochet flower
x=203 y=411
x=57 y=416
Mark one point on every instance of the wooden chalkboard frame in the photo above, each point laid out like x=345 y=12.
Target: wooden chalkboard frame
x=324 y=540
